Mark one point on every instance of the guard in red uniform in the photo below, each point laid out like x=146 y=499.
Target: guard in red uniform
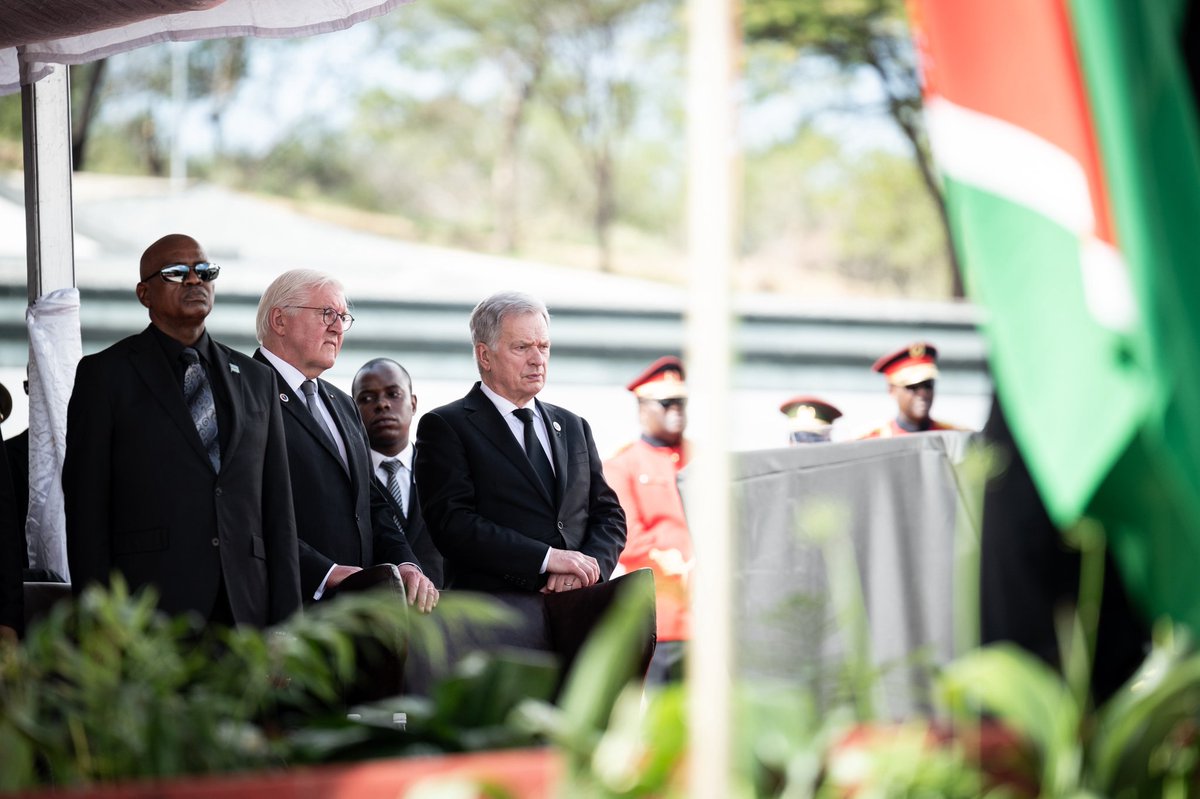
x=643 y=474
x=810 y=419
x=910 y=373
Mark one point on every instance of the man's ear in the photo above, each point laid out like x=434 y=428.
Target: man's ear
x=484 y=356
x=414 y=403
x=140 y=289
x=276 y=321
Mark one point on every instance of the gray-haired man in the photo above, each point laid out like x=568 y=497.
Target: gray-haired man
x=512 y=488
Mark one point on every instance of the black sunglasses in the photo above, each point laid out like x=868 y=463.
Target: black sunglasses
x=177 y=273
x=673 y=402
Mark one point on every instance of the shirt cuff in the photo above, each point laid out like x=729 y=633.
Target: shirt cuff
x=320 y=592
x=545 y=562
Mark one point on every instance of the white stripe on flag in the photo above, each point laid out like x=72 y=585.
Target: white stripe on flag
x=1107 y=289
x=1009 y=161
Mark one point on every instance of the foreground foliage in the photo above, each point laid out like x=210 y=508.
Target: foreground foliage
x=106 y=688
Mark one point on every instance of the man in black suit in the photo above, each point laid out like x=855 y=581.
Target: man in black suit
x=342 y=515
x=512 y=488
x=12 y=558
x=175 y=470
x=382 y=390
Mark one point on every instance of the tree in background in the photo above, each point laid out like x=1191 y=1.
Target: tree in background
x=856 y=35
x=463 y=37
x=594 y=90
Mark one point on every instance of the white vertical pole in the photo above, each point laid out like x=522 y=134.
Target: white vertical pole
x=53 y=313
x=711 y=213
x=49 y=225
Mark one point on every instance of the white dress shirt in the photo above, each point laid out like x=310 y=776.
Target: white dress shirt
x=404 y=476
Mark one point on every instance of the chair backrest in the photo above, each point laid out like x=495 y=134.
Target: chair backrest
x=556 y=623
x=40 y=597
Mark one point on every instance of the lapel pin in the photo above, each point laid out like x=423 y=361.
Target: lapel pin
x=284 y=397
x=557 y=427
x=233 y=367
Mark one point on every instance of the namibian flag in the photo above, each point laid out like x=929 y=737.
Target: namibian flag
x=1066 y=134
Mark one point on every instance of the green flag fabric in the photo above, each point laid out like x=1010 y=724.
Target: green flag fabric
x=1067 y=137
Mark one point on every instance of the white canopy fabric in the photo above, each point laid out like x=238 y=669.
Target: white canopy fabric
x=34 y=33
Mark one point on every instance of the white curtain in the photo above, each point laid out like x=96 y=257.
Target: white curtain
x=54 y=352
x=26 y=61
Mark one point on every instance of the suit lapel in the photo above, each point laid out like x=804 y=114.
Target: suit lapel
x=347 y=422
x=154 y=369
x=294 y=405
x=237 y=404
x=558 y=444
x=491 y=424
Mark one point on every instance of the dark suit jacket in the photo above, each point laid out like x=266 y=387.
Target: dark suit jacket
x=12 y=552
x=142 y=497
x=341 y=517
x=413 y=524
x=488 y=513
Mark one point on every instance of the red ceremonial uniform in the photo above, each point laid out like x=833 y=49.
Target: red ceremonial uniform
x=893 y=428
x=657 y=538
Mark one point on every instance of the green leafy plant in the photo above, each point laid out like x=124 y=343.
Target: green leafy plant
x=106 y=688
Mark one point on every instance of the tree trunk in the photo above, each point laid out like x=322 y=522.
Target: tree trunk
x=506 y=171
x=921 y=155
x=605 y=207
x=82 y=121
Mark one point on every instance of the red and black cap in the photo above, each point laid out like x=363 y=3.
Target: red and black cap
x=809 y=414
x=661 y=380
x=910 y=365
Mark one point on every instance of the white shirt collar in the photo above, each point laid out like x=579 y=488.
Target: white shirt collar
x=405 y=457
x=290 y=374
x=505 y=406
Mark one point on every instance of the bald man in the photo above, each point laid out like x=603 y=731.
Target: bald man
x=176 y=472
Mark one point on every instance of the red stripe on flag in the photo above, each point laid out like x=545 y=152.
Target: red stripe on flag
x=1014 y=60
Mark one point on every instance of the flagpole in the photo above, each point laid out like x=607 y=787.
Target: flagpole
x=711 y=211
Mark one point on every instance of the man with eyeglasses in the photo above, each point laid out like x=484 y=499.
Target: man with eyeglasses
x=343 y=519
x=175 y=471
x=644 y=474
x=910 y=373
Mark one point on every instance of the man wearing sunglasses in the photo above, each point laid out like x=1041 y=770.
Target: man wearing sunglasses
x=644 y=475
x=343 y=518
x=176 y=466
x=910 y=373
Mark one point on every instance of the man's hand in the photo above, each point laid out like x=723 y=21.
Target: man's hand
x=567 y=570
x=419 y=588
x=339 y=573
x=557 y=583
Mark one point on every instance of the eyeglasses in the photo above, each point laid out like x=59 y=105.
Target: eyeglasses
x=328 y=315
x=177 y=273
x=673 y=402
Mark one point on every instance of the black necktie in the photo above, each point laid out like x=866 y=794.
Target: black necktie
x=309 y=387
x=393 y=468
x=199 y=397
x=534 y=451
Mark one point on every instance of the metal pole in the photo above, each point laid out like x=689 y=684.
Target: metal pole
x=49 y=225
x=711 y=212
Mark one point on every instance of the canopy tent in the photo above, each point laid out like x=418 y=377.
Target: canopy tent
x=36 y=34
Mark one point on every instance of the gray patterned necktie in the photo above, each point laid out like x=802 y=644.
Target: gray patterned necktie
x=309 y=388
x=197 y=392
x=394 y=483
